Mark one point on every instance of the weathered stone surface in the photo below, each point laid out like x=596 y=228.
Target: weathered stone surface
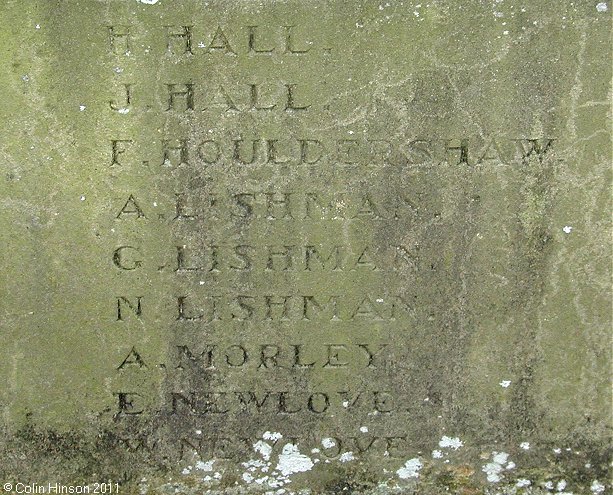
x=306 y=247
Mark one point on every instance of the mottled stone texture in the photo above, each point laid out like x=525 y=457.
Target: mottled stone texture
x=308 y=247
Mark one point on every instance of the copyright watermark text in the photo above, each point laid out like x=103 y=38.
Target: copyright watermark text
x=59 y=488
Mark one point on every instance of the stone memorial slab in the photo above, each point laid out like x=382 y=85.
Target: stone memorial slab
x=305 y=247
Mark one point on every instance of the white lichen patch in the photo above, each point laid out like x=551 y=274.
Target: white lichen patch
x=346 y=457
x=522 y=483
x=449 y=442
x=274 y=483
x=494 y=469
x=253 y=464
x=205 y=466
x=437 y=454
x=263 y=449
x=328 y=443
x=500 y=457
x=273 y=436
x=292 y=461
x=410 y=469
x=597 y=487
